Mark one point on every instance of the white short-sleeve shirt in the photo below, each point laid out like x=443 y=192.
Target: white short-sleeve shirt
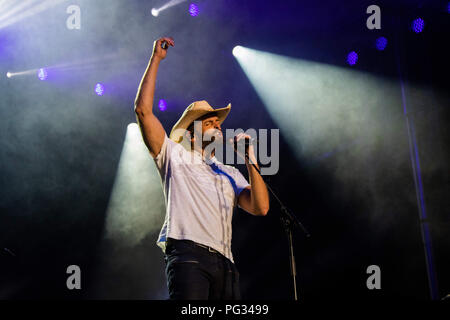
x=200 y=196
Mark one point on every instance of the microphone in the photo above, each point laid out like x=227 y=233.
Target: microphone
x=247 y=141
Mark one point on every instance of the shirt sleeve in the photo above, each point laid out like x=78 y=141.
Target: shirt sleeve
x=241 y=182
x=163 y=157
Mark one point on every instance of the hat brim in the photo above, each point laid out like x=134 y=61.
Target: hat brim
x=183 y=123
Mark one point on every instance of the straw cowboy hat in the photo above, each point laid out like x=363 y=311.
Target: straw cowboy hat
x=194 y=111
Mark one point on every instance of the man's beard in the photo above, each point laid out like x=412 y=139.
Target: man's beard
x=212 y=135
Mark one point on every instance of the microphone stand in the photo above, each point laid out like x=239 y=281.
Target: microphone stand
x=288 y=220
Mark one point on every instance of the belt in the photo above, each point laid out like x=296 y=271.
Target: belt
x=206 y=247
x=196 y=244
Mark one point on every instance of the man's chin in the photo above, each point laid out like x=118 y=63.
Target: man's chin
x=218 y=139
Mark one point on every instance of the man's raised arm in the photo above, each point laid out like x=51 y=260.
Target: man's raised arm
x=152 y=130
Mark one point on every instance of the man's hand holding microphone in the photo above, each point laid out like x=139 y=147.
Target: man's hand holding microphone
x=161 y=46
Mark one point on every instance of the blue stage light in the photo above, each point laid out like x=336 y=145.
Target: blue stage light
x=99 y=89
x=162 y=105
x=352 y=58
x=418 y=25
x=42 y=74
x=381 y=43
x=193 y=10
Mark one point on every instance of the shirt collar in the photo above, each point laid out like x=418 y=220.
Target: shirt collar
x=205 y=159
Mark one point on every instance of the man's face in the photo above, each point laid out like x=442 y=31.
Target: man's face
x=211 y=129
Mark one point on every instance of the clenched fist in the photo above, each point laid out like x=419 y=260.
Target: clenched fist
x=158 y=51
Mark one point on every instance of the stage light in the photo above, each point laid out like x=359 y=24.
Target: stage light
x=10 y=74
x=136 y=205
x=238 y=51
x=319 y=107
x=171 y=3
x=448 y=7
x=155 y=12
x=99 y=89
x=42 y=74
x=14 y=11
x=193 y=10
x=381 y=43
x=162 y=105
x=418 y=25
x=352 y=58
x=134 y=214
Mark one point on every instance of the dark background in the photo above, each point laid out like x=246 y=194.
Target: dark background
x=61 y=145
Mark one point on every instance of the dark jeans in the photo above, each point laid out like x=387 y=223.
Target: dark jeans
x=195 y=273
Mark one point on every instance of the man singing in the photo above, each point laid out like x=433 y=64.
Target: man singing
x=200 y=193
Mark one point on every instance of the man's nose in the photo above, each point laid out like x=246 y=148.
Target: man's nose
x=217 y=126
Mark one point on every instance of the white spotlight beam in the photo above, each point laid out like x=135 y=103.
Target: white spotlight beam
x=20 y=6
x=136 y=205
x=21 y=73
x=318 y=107
x=82 y=64
x=156 y=11
x=26 y=9
x=5 y=5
